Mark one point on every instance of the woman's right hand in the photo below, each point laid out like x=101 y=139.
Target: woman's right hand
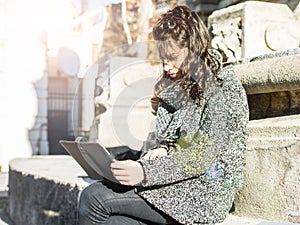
x=155 y=153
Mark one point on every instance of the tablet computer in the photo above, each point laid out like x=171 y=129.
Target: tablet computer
x=94 y=158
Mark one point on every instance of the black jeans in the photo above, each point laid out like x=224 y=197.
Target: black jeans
x=110 y=203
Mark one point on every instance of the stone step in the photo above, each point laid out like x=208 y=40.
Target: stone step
x=278 y=127
x=236 y=220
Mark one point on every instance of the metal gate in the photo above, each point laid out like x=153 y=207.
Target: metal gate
x=64 y=111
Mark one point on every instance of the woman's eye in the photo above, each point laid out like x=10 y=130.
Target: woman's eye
x=174 y=54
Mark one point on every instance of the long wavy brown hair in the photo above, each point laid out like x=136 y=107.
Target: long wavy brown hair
x=184 y=28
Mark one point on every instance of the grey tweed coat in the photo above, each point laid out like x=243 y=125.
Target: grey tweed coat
x=203 y=195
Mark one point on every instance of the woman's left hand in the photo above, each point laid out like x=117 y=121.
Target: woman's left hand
x=128 y=172
x=155 y=153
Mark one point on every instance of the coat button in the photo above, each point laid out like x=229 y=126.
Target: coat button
x=183 y=133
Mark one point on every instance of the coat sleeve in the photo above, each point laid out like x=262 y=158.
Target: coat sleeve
x=229 y=134
x=234 y=159
x=162 y=171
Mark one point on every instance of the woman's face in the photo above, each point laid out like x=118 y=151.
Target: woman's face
x=173 y=61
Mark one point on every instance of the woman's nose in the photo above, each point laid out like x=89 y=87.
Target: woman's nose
x=167 y=67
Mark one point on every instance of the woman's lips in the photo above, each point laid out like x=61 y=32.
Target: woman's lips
x=172 y=75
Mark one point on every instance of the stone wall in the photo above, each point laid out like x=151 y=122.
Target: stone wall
x=272 y=187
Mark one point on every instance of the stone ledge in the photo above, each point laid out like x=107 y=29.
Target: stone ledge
x=277 y=127
x=45 y=190
x=278 y=133
x=62 y=169
x=270 y=75
x=236 y=220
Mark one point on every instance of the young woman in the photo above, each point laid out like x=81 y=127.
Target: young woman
x=192 y=173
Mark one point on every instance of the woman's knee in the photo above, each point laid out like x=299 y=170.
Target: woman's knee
x=89 y=196
x=96 y=196
x=91 y=206
x=87 y=193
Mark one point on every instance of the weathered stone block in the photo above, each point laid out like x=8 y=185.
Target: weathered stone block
x=246 y=29
x=272 y=186
x=44 y=190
